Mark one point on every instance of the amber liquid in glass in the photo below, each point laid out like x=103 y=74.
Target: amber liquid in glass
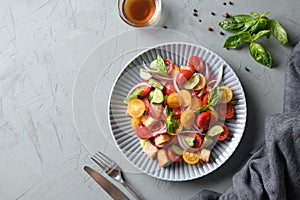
x=139 y=11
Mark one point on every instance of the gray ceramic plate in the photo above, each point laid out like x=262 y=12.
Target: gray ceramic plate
x=125 y=137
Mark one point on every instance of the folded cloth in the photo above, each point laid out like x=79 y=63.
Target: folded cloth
x=273 y=171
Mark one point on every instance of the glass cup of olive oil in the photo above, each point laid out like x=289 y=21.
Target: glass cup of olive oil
x=139 y=13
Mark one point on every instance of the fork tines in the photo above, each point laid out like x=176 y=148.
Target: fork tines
x=102 y=160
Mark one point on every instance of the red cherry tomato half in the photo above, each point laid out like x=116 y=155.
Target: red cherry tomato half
x=224 y=134
x=169 y=88
x=204 y=120
x=168 y=61
x=182 y=76
x=173 y=157
x=177 y=113
x=205 y=98
x=146 y=90
x=196 y=63
x=198 y=141
x=187 y=68
x=227 y=111
x=143 y=132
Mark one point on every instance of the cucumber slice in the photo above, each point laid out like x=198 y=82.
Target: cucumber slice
x=207 y=141
x=215 y=130
x=145 y=75
x=189 y=140
x=192 y=82
x=155 y=83
x=176 y=150
x=158 y=96
x=150 y=95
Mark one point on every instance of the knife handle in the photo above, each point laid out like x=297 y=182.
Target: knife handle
x=133 y=193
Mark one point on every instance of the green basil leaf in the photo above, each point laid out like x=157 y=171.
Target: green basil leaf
x=260 y=24
x=260 y=54
x=236 y=23
x=233 y=41
x=161 y=66
x=203 y=108
x=255 y=14
x=260 y=34
x=248 y=26
x=245 y=37
x=171 y=124
x=265 y=14
x=278 y=31
x=168 y=111
x=134 y=95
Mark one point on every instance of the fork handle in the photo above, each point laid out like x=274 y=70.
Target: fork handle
x=131 y=191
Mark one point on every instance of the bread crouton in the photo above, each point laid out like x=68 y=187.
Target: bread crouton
x=162 y=158
x=204 y=155
x=162 y=139
x=147 y=120
x=150 y=149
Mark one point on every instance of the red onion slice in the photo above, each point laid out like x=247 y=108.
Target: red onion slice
x=145 y=66
x=219 y=76
x=161 y=78
x=207 y=72
x=175 y=83
x=151 y=111
x=159 y=132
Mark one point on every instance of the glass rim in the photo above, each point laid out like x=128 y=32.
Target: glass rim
x=154 y=18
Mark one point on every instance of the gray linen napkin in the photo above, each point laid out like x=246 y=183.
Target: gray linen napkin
x=273 y=171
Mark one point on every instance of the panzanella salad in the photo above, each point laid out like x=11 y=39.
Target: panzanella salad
x=178 y=113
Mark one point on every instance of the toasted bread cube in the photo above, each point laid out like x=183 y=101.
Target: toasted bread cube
x=147 y=121
x=150 y=149
x=162 y=158
x=204 y=155
x=162 y=139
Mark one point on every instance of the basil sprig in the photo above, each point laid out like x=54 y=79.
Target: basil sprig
x=214 y=97
x=250 y=28
x=171 y=124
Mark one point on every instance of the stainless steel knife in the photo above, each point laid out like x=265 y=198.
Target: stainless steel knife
x=110 y=188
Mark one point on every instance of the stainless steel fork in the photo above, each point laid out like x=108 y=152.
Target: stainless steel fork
x=112 y=169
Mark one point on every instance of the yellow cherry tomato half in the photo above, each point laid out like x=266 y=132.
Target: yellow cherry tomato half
x=136 y=108
x=134 y=121
x=196 y=103
x=191 y=157
x=227 y=94
x=186 y=97
x=187 y=118
x=174 y=100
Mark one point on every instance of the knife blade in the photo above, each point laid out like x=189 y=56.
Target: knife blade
x=110 y=188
